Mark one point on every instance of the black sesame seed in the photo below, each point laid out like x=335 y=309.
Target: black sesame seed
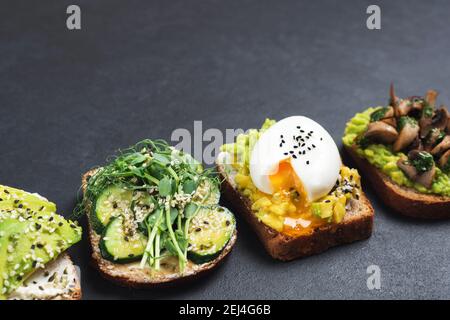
x=313 y=146
x=60 y=224
x=291 y=152
x=38 y=226
x=50 y=219
x=227 y=223
x=41 y=208
x=307 y=162
x=40 y=245
x=327 y=201
x=285 y=153
x=16 y=201
x=34 y=266
x=6 y=191
x=198 y=229
x=46 y=274
x=41 y=288
x=52 y=277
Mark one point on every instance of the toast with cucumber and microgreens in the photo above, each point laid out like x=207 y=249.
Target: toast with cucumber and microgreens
x=404 y=150
x=287 y=180
x=154 y=216
x=33 y=241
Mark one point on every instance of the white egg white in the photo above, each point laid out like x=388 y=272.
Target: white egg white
x=312 y=151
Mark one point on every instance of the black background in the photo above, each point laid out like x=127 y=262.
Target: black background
x=140 y=69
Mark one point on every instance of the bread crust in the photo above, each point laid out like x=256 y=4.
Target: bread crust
x=357 y=225
x=124 y=275
x=403 y=200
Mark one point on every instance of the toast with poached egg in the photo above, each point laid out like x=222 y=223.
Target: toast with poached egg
x=288 y=182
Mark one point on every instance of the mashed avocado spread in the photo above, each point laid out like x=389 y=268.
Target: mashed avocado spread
x=278 y=210
x=382 y=157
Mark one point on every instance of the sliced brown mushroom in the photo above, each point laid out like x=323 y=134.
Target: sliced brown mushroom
x=426 y=178
x=406 y=136
x=440 y=118
x=393 y=100
x=444 y=145
x=407 y=168
x=389 y=117
x=381 y=132
x=444 y=159
x=417 y=144
x=430 y=98
x=416 y=102
x=432 y=139
x=403 y=108
x=426 y=124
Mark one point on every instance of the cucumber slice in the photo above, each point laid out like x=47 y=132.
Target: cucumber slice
x=115 y=246
x=110 y=203
x=209 y=233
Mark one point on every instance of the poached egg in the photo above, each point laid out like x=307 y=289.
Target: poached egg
x=296 y=153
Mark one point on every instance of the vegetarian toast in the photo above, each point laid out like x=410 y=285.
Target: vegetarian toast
x=287 y=180
x=33 y=241
x=357 y=225
x=404 y=200
x=148 y=268
x=403 y=150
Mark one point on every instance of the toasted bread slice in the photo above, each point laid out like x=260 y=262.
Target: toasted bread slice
x=59 y=280
x=406 y=201
x=357 y=225
x=131 y=275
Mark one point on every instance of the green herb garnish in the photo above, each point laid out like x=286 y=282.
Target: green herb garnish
x=403 y=121
x=379 y=114
x=423 y=162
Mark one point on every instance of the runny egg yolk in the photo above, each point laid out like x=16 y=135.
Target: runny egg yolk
x=283 y=182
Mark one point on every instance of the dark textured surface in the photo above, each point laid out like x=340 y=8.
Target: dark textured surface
x=141 y=69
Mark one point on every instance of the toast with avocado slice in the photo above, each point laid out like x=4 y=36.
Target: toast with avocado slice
x=288 y=226
x=33 y=239
x=404 y=152
x=154 y=217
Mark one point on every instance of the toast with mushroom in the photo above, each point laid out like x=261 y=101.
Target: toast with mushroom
x=404 y=151
x=287 y=181
x=154 y=217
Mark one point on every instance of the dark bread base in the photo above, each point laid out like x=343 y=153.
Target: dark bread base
x=357 y=225
x=406 y=201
